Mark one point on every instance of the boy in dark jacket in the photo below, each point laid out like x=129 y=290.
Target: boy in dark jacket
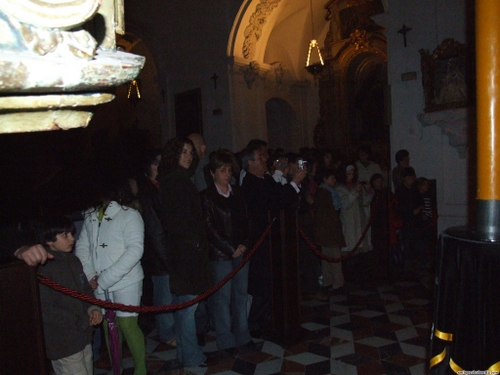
x=328 y=234
x=67 y=321
x=409 y=208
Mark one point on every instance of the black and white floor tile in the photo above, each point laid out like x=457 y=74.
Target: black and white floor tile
x=373 y=328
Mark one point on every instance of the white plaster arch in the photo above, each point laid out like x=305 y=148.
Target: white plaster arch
x=267 y=31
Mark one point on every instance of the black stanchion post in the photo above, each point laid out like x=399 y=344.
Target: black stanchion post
x=22 y=349
x=285 y=268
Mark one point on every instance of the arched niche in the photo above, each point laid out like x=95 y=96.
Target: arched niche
x=281 y=119
x=365 y=81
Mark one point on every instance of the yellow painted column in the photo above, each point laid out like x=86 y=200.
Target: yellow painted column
x=488 y=117
x=488 y=96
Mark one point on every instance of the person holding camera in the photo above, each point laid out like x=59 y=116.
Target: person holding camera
x=263 y=194
x=281 y=168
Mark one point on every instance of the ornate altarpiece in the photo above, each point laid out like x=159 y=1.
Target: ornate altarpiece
x=353 y=84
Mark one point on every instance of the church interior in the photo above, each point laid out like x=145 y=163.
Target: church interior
x=385 y=73
x=235 y=71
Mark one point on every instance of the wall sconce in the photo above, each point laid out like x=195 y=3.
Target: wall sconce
x=134 y=91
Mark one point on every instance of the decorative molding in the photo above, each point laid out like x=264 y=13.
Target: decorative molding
x=278 y=75
x=360 y=39
x=250 y=73
x=257 y=21
x=453 y=123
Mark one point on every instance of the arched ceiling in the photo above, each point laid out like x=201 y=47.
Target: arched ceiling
x=269 y=31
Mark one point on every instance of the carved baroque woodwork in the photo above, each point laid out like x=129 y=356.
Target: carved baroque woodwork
x=355 y=75
x=444 y=77
x=447 y=80
x=257 y=21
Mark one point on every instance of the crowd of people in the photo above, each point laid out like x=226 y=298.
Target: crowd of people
x=187 y=219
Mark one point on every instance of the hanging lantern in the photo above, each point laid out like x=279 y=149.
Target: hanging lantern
x=134 y=91
x=316 y=68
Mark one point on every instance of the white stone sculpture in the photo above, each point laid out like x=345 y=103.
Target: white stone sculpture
x=43 y=50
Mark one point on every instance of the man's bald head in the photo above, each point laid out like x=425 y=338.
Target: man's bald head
x=199 y=144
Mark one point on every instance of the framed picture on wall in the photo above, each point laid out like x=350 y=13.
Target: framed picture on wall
x=444 y=76
x=188 y=113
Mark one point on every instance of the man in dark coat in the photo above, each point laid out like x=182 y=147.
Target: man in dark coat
x=262 y=195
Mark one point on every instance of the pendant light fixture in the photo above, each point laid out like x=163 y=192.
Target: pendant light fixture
x=316 y=68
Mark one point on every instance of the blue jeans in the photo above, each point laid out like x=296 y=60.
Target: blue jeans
x=228 y=305
x=162 y=296
x=189 y=353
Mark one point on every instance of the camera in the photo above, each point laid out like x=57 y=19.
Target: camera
x=302 y=164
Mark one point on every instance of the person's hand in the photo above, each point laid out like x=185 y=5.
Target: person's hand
x=93 y=283
x=95 y=317
x=299 y=176
x=358 y=187
x=33 y=255
x=240 y=250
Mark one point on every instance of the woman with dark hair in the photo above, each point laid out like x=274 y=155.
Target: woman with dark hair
x=187 y=253
x=110 y=247
x=154 y=261
x=228 y=228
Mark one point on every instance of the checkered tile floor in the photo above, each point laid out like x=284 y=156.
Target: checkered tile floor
x=374 y=328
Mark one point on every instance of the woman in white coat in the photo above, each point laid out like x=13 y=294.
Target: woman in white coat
x=352 y=214
x=110 y=248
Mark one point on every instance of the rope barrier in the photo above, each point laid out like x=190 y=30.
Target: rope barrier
x=342 y=258
x=155 y=309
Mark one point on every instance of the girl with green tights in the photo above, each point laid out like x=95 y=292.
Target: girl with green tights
x=110 y=247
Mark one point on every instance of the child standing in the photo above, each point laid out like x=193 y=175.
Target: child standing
x=422 y=184
x=429 y=216
x=328 y=231
x=409 y=208
x=67 y=321
x=110 y=248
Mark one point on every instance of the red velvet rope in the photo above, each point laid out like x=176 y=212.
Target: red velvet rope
x=173 y=307
x=342 y=258
x=154 y=309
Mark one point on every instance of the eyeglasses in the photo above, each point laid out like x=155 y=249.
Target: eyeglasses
x=281 y=164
